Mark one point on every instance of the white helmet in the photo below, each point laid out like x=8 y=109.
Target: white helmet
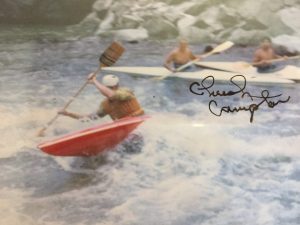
x=110 y=80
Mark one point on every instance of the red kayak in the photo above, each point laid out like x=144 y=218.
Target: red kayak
x=92 y=141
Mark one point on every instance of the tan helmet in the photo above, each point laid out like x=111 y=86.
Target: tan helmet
x=110 y=80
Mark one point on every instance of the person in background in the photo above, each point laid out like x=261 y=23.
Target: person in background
x=179 y=56
x=263 y=55
x=120 y=102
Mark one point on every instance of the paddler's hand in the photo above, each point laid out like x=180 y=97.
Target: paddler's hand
x=264 y=62
x=63 y=112
x=69 y=114
x=199 y=57
x=169 y=68
x=285 y=57
x=91 y=78
x=172 y=70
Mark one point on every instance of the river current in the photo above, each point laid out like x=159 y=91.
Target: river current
x=194 y=168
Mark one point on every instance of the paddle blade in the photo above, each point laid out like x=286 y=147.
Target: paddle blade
x=222 y=47
x=111 y=54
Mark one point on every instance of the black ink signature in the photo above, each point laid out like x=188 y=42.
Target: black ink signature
x=239 y=88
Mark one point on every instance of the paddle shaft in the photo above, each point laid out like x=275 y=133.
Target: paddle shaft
x=277 y=60
x=40 y=133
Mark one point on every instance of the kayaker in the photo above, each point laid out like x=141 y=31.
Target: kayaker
x=120 y=102
x=179 y=56
x=263 y=55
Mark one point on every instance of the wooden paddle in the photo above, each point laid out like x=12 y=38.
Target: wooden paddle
x=220 y=48
x=108 y=58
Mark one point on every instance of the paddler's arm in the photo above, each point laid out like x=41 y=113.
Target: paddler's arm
x=258 y=60
x=194 y=57
x=280 y=56
x=168 y=61
x=92 y=116
x=277 y=56
x=70 y=114
x=102 y=88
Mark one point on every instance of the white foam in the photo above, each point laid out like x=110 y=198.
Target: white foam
x=10 y=208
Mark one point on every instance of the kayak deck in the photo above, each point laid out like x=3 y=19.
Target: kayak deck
x=94 y=140
x=219 y=76
x=288 y=72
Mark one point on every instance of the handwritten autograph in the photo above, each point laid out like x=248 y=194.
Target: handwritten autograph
x=205 y=87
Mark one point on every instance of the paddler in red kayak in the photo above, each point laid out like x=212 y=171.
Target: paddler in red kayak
x=120 y=102
x=263 y=55
x=180 y=56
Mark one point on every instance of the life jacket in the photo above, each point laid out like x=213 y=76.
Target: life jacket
x=118 y=109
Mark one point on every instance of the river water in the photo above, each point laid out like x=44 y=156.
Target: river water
x=194 y=167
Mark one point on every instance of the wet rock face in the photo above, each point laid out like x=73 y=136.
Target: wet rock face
x=242 y=21
x=44 y=11
x=245 y=22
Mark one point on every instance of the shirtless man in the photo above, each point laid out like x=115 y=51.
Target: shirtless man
x=180 y=56
x=262 y=55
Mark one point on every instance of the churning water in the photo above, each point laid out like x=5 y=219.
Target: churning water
x=194 y=168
